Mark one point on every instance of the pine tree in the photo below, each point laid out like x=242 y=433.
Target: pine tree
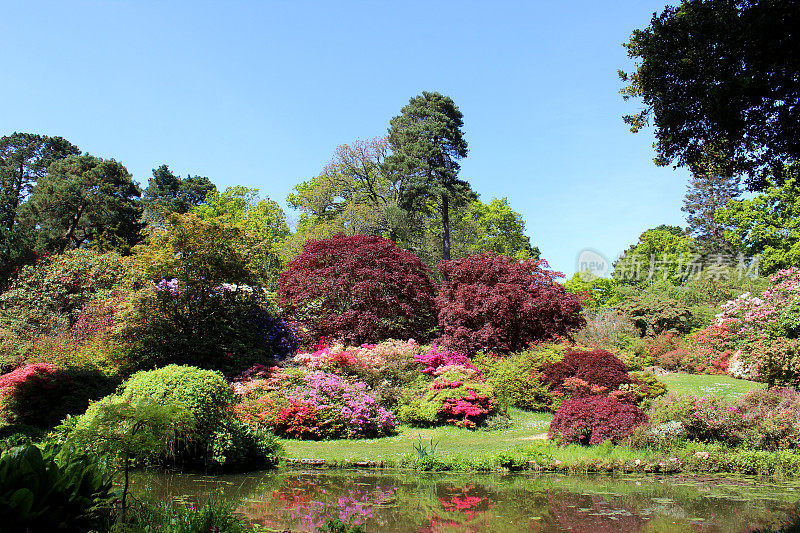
x=427 y=141
x=708 y=190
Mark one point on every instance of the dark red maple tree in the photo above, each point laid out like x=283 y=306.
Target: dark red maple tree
x=358 y=289
x=491 y=302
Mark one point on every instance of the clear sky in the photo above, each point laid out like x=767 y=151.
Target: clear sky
x=261 y=93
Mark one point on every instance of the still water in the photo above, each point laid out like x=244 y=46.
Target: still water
x=301 y=500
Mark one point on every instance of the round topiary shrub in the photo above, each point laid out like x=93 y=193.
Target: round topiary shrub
x=491 y=302
x=594 y=419
x=204 y=392
x=358 y=289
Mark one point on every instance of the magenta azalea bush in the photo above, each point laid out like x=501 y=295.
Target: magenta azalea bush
x=772 y=314
x=436 y=357
x=343 y=403
x=320 y=406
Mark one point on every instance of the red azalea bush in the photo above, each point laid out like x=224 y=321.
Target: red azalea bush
x=598 y=368
x=594 y=419
x=491 y=302
x=358 y=289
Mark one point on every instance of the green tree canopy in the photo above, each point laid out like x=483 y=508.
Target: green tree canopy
x=24 y=158
x=767 y=225
x=169 y=192
x=720 y=73
x=262 y=221
x=427 y=142
x=85 y=201
x=661 y=253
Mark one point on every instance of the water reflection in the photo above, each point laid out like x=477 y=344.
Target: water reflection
x=301 y=501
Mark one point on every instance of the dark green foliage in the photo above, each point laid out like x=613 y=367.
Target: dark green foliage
x=171 y=193
x=653 y=313
x=335 y=525
x=228 y=330
x=215 y=516
x=237 y=446
x=427 y=142
x=720 y=75
x=710 y=188
x=19 y=435
x=85 y=201
x=42 y=492
x=24 y=158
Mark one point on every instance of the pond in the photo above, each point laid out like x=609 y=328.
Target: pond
x=301 y=500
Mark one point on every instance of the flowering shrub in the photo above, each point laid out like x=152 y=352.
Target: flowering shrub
x=46 y=298
x=775 y=361
x=490 y=302
x=773 y=314
x=323 y=406
x=436 y=358
x=455 y=396
x=772 y=417
x=358 y=289
x=600 y=370
x=767 y=419
x=594 y=419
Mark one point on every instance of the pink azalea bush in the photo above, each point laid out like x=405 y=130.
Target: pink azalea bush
x=436 y=357
x=323 y=405
x=752 y=318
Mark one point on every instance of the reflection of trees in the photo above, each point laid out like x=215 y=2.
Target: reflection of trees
x=587 y=514
x=433 y=503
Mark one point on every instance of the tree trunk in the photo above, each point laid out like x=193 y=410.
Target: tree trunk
x=445 y=227
x=125 y=487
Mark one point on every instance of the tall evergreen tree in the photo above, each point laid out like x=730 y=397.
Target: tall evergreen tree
x=709 y=190
x=427 y=142
x=85 y=201
x=168 y=192
x=24 y=159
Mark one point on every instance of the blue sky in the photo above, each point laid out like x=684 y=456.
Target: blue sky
x=261 y=93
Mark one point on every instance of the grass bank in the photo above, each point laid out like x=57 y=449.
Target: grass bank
x=705 y=385
x=525 y=427
x=523 y=446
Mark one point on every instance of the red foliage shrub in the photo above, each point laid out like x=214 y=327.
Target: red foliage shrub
x=595 y=419
x=40 y=394
x=358 y=289
x=469 y=411
x=598 y=368
x=674 y=360
x=494 y=303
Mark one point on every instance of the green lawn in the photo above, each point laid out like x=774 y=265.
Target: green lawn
x=703 y=385
x=525 y=428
